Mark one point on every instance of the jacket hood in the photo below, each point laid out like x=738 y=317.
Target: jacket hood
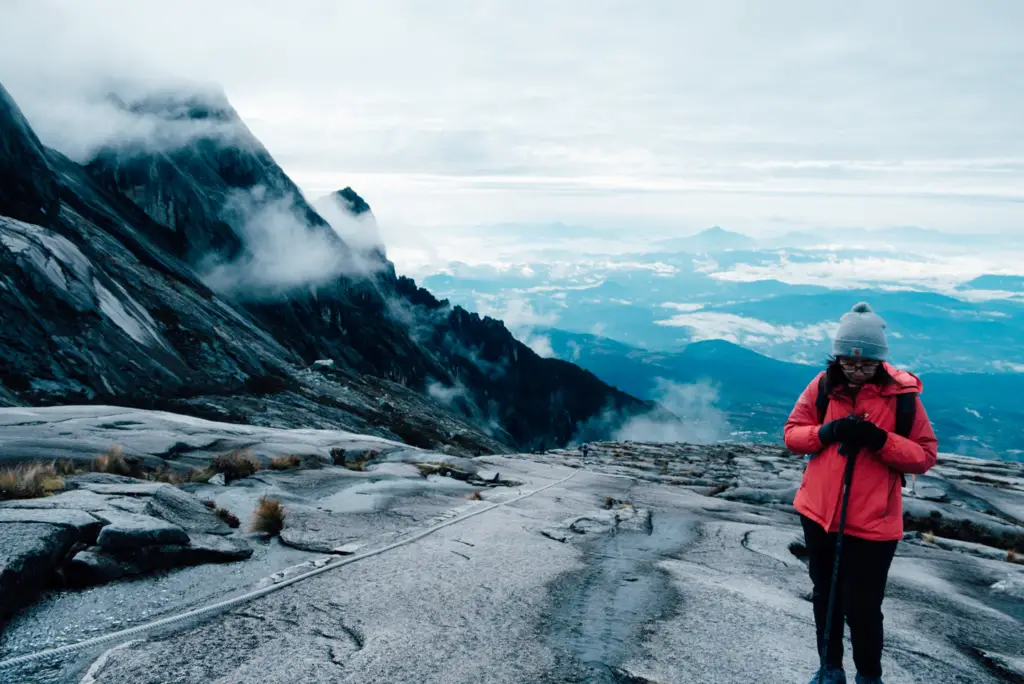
x=903 y=382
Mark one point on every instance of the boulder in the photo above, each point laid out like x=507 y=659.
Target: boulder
x=91 y=567
x=140 y=505
x=131 y=531
x=130 y=488
x=86 y=526
x=78 y=481
x=78 y=499
x=312 y=529
x=97 y=565
x=29 y=553
x=185 y=510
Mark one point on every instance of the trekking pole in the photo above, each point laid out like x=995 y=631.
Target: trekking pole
x=851 y=458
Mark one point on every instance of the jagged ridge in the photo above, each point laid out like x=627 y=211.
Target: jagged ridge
x=108 y=305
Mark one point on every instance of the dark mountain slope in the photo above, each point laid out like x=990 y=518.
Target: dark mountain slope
x=103 y=299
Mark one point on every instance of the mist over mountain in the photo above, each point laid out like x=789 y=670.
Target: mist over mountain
x=179 y=267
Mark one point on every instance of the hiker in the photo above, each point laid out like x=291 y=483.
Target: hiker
x=585 y=448
x=851 y=408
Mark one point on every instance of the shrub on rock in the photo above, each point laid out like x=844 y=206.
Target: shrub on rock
x=268 y=517
x=236 y=464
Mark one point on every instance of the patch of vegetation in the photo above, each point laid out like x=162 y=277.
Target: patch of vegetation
x=442 y=469
x=718 y=489
x=285 y=462
x=29 y=481
x=268 y=517
x=209 y=504
x=357 y=463
x=65 y=467
x=165 y=473
x=612 y=502
x=1013 y=557
x=228 y=517
x=115 y=462
x=202 y=476
x=474 y=496
x=236 y=465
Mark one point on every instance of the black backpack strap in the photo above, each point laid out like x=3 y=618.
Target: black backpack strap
x=906 y=412
x=824 y=390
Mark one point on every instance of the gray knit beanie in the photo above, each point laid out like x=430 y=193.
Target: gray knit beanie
x=861 y=334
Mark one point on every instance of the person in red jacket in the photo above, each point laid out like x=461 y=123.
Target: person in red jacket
x=861 y=414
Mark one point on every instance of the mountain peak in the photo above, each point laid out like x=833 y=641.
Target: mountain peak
x=28 y=186
x=353 y=202
x=714 y=239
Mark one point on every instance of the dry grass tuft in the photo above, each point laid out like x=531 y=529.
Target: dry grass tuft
x=268 y=517
x=235 y=465
x=201 y=476
x=116 y=463
x=928 y=537
x=231 y=519
x=29 y=481
x=718 y=489
x=474 y=496
x=65 y=467
x=209 y=504
x=1013 y=557
x=165 y=473
x=285 y=463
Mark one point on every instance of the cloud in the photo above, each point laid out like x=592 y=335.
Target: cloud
x=692 y=417
x=360 y=232
x=710 y=325
x=447 y=395
x=943 y=272
x=683 y=413
x=752 y=112
x=283 y=251
x=682 y=306
x=574 y=351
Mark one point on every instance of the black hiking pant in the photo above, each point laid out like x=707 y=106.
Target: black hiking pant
x=863 y=572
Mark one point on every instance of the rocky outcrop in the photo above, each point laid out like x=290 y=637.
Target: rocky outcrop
x=29 y=554
x=108 y=527
x=130 y=531
x=98 y=565
x=112 y=290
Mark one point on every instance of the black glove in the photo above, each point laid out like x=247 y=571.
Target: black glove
x=841 y=430
x=870 y=435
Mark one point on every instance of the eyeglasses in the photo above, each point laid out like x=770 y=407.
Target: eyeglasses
x=865 y=365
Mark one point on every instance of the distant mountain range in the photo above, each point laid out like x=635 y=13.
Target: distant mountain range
x=714 y=239
x=973 y=413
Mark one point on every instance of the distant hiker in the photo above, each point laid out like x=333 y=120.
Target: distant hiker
x=855 y=406
x=585 y=449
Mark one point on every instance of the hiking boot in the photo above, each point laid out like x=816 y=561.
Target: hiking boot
x=861 y=679
x=833 y=675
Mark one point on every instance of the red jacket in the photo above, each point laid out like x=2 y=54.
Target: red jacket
x=876 y=499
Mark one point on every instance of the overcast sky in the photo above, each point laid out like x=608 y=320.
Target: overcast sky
x=657 y=115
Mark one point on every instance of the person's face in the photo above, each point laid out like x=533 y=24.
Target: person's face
x=858 y=371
